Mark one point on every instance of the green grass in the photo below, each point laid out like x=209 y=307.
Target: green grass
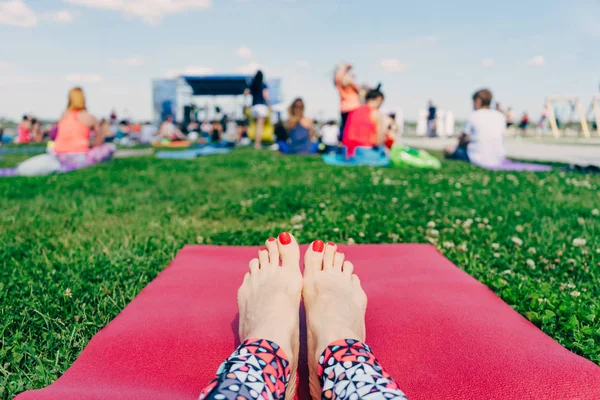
x=75 y=249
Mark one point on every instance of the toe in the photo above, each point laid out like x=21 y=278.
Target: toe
x=254 y=266
x=263 y=257
x=289 y=251
x=313 y=260
x=273 y=250
x=338 y=261
x=348 y=269
x=328 y=258
x=355 y=279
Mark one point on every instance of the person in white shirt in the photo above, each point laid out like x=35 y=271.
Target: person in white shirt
x=482 y=139
x=330 y=134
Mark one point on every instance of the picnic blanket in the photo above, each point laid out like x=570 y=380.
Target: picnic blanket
x=439 y=332
x=363 y=156
x=193 y=153
x=509 y=165
x=130 y=153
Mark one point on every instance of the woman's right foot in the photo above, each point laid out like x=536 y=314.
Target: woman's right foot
x=335 y=304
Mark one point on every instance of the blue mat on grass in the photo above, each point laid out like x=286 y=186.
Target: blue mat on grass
x=365 y=156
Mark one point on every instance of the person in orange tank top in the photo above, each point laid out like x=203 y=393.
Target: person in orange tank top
x=349 y=93
x=72 y=144
x=365 y=126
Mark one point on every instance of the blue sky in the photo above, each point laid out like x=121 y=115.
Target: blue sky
x=438 y=49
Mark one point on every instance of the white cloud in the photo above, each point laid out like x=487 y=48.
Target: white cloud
x=133 y=61
x=302 y=64
x=244 y=52
x=80 y=79
x=17 y=13
x=488 y=62
x=248 y=69
x=151 y=11
x=537 y=60
x=189 y=70
x=59 y=17
x=7 y=80
x=392 y=65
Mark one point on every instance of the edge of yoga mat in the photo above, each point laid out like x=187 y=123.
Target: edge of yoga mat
x=151 y=349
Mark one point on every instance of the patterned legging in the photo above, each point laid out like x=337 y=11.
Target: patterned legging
x=259 y=369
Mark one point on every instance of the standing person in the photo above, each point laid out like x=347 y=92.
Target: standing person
x=482 y=139
x=24 y=135
x=543 y=122
x=349 y=94
x=259 y=91
x=72 y=145
x=499 y=108
x=431 y=120
x=524 y=123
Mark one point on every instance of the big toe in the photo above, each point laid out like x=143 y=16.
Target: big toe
x=313 y=260
x=289 y=251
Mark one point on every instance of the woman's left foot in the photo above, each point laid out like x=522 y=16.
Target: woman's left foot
x=269 y=299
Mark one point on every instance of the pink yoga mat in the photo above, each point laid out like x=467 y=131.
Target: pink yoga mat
x=439 y=332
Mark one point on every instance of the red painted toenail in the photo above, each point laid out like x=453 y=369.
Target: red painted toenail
x=271 y=239
x=330 y=244
x=339 y=251
x=318 y=246
x=262 y=249
x=285 y=238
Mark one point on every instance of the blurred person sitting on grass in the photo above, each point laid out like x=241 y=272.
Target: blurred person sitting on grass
x=72 y=145
x=482 y=139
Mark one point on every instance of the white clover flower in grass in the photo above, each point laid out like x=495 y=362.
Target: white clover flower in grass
x=448 y=245
x=507 y=272
x=394 y=200
x=497 y=255
x=463 y=247
x=433 y=232
x=431 y=224
x=336 y=229
x=531 y=263
x=519 y=228
x=495 y=246
x=486 y=221
x=467 y=223
x=532 y=250
x=579 y=242
x=68 y=293
x=351 y=241
x=361 y=234
x=581 y=221
x=351 y=218
x=595 y=212
x=500 y=219
x=575 y=294
x=570 y=286
x=518 y=213
x=517 y=241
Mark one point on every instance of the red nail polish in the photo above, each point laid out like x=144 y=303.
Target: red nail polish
x=285 y=238
x=262 y=249
x=339 y=252
x=330 y=244
x=271 y=239
x=318 y=246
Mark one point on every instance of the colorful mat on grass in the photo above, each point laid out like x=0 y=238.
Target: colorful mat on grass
x=439 y=332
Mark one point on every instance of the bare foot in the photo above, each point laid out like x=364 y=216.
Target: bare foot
x=335 y=304
x=269 y=300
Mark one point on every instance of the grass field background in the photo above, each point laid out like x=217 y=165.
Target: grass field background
x=76 y=248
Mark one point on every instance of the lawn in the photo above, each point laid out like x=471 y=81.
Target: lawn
x=75 y=249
